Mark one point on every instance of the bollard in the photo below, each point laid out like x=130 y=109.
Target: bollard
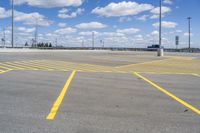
x=160 y=52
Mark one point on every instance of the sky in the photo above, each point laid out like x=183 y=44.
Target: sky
x=115 y=23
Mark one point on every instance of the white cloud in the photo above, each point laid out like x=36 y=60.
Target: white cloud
x=50 y=3
x=164 y=10
x=26 y=30
x=64 y=31
x=167 y=2
x=187 y=34
x=178 y=31
x=125 y=19
x=4 y=13
x=154 y=33
x=156 y=12
x=26 y=18
x=88 y=33
x=143 y=17
x=32 y=18
x=128 y=31
x=62 y=25
x=91 y=25
x=64 y=13
x=122 y=9
x=166 y=24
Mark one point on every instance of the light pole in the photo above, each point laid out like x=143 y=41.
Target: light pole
x=36 y=32
x=12 y=38
x=189 y=32
x=93 y=40
x=160 y=50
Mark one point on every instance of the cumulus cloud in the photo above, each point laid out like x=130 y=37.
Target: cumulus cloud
x=187 y=34
x=62 y=25
x=26 y=18
x=125 y=19
x=64 y=13
x=128 y=31
x=26 y=30
x=156 y=12
x=88 y=33
x=50 y=3
x=91 y=25
x=143 y=17
x=122 y=9
x=4 y=13
x=166 y=24
x=67 y=30
x=32 y=18
x=167 y=2
x=164 y=10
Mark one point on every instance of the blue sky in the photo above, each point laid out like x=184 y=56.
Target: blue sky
x=117 y=23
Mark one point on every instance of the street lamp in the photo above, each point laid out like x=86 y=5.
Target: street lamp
x=189 y=32
x=93 y=40
x=160 y=50
x=12 y=38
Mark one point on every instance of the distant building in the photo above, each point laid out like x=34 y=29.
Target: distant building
x=155 y=46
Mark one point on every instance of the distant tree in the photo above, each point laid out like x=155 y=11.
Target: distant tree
x=46 y=45
x=42 y=44
x=26 y=44
x=50 y=45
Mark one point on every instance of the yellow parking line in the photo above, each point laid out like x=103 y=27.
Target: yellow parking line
x=1 y=72
x=142 y=63
x=60 y=98
x=169 y=94
x=196 y=75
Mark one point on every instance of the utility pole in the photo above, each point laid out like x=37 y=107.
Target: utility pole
x=189 y=32
x=56 y=42
x=93 y=40
x=36 y=32
x=4 y=37
x=12 y=38
x=160 y=50
x=82 y=43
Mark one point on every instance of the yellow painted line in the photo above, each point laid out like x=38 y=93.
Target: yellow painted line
x=60 y=98
x=24 y=65
x=37 y=66
x=148 y=62
x=5 y=71
x=196 y=75
x=7 y=64
x=169 y=94
x=3 y=66
x=162 y=73
x=54 y=66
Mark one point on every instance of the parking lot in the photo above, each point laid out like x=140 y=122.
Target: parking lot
x=99 y=92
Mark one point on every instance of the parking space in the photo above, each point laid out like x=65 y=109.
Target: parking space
x=122 y=103
x=184 y=86
x=48 y=95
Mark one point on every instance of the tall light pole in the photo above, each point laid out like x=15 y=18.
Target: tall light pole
x=12 y=36
x=160 y=25
x=36 y=32
x=4 y=37
x=189 y=32
x=93 y=40
x=160 y=50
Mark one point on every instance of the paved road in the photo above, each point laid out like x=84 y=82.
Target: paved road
x=95 y=102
